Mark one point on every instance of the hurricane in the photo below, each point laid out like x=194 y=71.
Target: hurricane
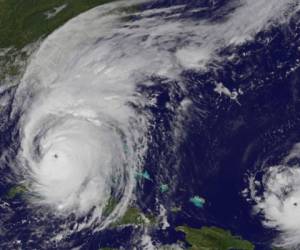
x=87 y=118
x=274 y=190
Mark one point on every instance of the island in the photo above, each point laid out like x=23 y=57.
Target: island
x=213 y=238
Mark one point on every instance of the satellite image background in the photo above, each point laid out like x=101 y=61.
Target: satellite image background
x=165 y=124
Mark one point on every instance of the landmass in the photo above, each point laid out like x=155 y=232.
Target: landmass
x=15 y=191
x=213 y=238
x=24 y=23
x=133 y=216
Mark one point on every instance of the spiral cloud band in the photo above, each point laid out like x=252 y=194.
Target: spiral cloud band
x=277 y=197
x=76 y=152
x=81 y=141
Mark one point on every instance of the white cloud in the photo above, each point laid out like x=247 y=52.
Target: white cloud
x=279 y=203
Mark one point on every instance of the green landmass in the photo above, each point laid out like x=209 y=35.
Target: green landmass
x=23 y=22
x=135 y=217
x=110 y=206
x=12 y=62
x=212 y=238
x=132 y=216
x=15 y=191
